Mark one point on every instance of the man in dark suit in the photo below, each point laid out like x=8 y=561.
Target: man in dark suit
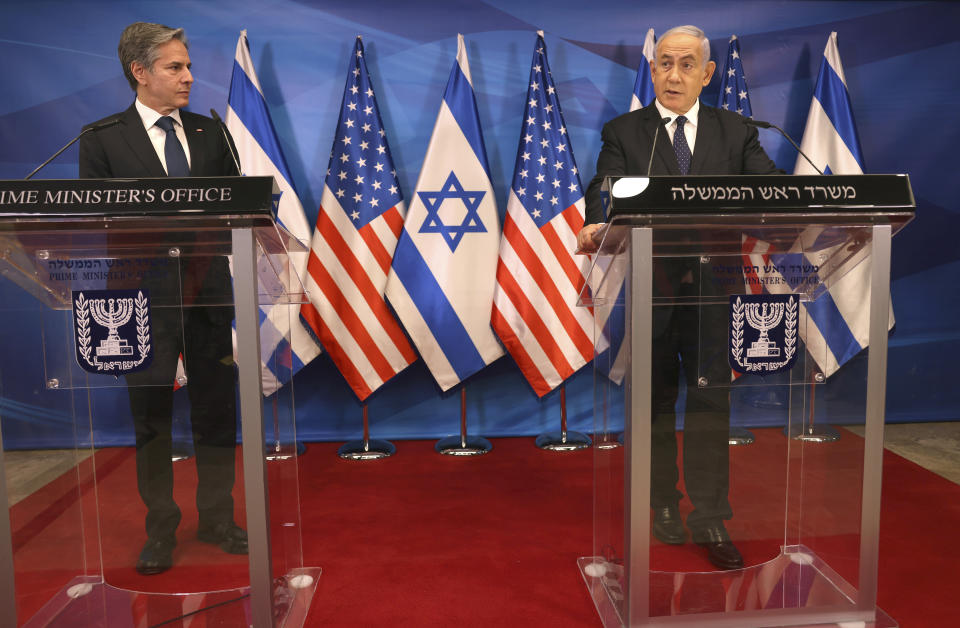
x=695 y=139
x=156 y=138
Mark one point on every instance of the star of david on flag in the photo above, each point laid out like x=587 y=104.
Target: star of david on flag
x=286 y=345
x=733 y=83
x=538 y=277
x=452 y=191
x=442 y=279
x=643 y=93
x=360 y=217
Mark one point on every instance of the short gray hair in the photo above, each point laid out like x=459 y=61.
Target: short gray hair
x=140 y=42
x=688 y=30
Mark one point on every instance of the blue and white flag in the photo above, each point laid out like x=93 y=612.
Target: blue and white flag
x=837 y=323
x=643 y=93
x=733 y=82
x=285 y=343
x=444 y=268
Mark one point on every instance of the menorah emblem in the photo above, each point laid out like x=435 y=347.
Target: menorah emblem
x=112 y=314
x=763 y=319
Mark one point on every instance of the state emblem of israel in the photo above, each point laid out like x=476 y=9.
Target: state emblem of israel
x=763 y=333
x=111 y=330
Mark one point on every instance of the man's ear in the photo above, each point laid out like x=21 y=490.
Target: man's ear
x=708 y=72
x=138 y=71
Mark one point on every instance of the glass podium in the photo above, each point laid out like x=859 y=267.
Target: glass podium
x=745 y=277
x=105 y=286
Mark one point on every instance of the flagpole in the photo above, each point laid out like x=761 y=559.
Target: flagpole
x=277 y=452
x=366 y=449
x=563 y=440
x=463 y=445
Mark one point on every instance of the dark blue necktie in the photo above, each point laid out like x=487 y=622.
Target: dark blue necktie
x=680 y=146
x=173 y=150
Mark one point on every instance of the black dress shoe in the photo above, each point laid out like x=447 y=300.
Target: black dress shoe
x=667 y=526
x=156 y=556
x=721 y=552
x=229 y=536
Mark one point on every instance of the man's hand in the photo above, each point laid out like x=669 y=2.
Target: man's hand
x=585 y=241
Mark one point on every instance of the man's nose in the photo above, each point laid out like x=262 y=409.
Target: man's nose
x=187 y=76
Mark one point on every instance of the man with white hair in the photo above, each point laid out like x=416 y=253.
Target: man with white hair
x=695 y=139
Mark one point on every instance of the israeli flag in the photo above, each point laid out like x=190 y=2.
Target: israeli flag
x=643 y=93
x=444 y=268
x=285 y=343
x=837 y=323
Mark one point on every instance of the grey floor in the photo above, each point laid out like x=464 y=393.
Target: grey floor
x=934 y=446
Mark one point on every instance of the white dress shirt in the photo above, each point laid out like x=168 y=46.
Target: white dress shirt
x=158 y=136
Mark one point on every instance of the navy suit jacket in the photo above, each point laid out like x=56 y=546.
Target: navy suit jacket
x=124 y=150
x=725 y=145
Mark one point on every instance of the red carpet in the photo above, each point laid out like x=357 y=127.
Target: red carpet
x=421 y=539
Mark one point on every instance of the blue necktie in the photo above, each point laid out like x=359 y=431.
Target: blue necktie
x=173 y=150
x=680 y=146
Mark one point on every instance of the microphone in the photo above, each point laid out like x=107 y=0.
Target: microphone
x=767 y=125
x=92 y=127
x=653 y=148
x=226 y=138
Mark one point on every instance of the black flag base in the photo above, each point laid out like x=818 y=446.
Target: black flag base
x=740 y=436
x=369 y=449
x=813 y=433
x=463 y=445
x=563 y=441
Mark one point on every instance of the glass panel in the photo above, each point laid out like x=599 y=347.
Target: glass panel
x=106 y=443
x=790 y=501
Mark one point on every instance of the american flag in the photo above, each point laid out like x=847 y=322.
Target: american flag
x=360 y=218
x=538 y=277
x=733 y=84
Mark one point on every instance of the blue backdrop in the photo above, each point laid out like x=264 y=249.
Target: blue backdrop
x=60 y=71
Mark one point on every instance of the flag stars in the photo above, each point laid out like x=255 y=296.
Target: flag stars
x=742 y=94
x=346 y=140
x=354 y=90
x=548 y=108
x=550 y=89
x=553 y=200
x=381 y=149
x=573 y=187
x=382 y=132
x=340 y=193
x=534 y=86
x=361 y=162
x=561 y=147
x=563 y=130
x=349 y=123
x=377 y=185
x=736 y=55
x=538 y=195
x=374 y=202
x=546 y=126
x=521 y=191
x=731 y=72
x=364 y=145
x=523 y=174
x=359 y=53
x=544 y=142
x=728 y=90
x=531 y=121
x=532 y=102
x=528 y=138
x=355 y=215
x=358 y=180
x=366 y=127
x=344 y=158
x=393 y=189
x=342 y=175
x=369 y=93
x=558 y=165
x=526 y=157
x=379 y=167
x=556 y=184
x=542 y=160
x=368 y=110
x=536 y=213
x=536 y=68
x=357 y=197
x=540 y=179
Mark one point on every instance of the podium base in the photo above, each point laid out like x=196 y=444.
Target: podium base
x=466 y=446
x=740 y=436
x=813 y=434
x=563 y=441
x=609 y=441
x=366 y=450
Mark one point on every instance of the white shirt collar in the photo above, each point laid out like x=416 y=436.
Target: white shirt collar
x=150 y=117
x=692 y=115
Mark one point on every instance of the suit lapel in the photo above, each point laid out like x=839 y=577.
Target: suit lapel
x=195 y=140
x=708 y=136
x=133 y=133
x=665 y=161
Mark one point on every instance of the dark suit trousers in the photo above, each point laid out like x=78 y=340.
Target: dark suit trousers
x=693 y=340
x=204 y=336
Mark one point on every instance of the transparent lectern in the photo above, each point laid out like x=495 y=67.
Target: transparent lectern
x=100 y=281
x=777 y=281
